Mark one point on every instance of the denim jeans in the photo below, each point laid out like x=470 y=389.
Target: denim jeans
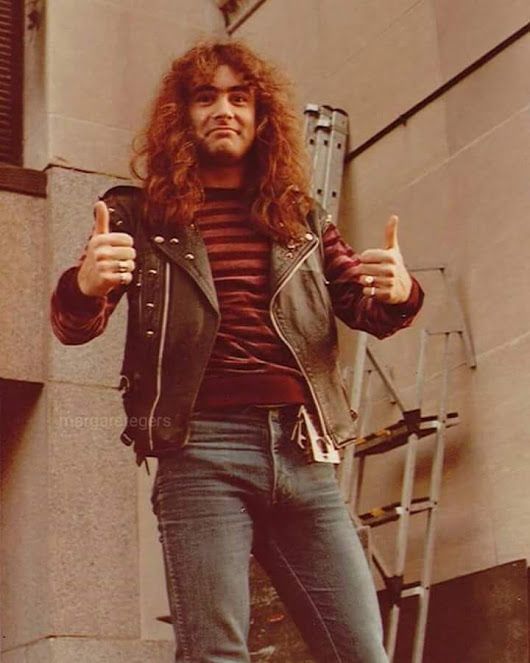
x=241 y=486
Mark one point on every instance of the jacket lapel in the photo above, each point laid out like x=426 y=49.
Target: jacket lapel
x=285 y=259
x=185 y=248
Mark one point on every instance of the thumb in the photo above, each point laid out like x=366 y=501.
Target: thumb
x=391 y=231
x=101 y=216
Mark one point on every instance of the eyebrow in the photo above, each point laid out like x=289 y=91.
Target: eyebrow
x=212 y=88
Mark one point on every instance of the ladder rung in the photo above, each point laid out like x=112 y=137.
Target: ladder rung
x=391 y=512
x=397 y=434
x=412 y=589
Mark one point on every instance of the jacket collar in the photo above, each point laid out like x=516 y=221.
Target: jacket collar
x=185 y=247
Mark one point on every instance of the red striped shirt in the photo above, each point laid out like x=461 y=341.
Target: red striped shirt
x=249 y=363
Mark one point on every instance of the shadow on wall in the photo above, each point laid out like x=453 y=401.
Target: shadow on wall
x=18 y=401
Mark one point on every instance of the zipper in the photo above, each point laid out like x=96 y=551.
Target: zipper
x=160 y=352
x=278 y=331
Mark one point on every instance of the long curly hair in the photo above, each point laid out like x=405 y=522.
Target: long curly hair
x=165 y=156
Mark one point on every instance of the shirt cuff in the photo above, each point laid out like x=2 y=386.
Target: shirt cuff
x=413 y=304
x=72 y=300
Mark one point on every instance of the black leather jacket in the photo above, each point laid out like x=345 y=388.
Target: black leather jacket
x=173 y=319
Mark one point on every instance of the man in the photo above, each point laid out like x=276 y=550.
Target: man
x=230 y=375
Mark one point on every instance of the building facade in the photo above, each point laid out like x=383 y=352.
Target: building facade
x=438 y=98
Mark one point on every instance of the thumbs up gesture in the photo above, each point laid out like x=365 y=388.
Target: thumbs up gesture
x=382 y=272
x=109 y=257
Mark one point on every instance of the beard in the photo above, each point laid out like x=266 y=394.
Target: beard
x=221 y=154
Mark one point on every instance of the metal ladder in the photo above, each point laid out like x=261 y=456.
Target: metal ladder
x=326 y=135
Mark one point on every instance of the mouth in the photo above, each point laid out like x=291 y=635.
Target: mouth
x=222 y=130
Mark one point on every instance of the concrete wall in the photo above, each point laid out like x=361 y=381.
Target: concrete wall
x=457 y=175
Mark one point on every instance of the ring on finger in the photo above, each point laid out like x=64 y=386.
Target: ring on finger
x=122 y=266
x=372 y=291
x=369 y=280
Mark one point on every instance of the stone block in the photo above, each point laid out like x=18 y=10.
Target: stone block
x=91 y=650
x=14 y=656
x=93 y=536
x=92 y=37
x=24 y=525
x=153 y=595
x=122 y=49
x=89 y=146
x=22 y=292
x=468 y=30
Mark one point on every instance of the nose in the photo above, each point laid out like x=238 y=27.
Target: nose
x=223 y=107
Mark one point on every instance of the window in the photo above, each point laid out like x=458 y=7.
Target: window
x=11 y=63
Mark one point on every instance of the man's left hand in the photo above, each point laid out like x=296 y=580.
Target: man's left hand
x=382 y=272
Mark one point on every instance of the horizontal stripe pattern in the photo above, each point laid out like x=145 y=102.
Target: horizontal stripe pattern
x=249 y=362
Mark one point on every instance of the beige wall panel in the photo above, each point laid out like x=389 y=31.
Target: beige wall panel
x=393 y=72
x=22 y=243
x=105 y=61
x=72 y=196
x=490 y=96
x=502 y=414
x=328 y=35
x=36 y=652
x=467 y=30
x=373 y=181
x=93 y=515
x=270 y=32
x=490 y=188
x=457 y=215
x=87 y=61
x=15 y=656
x=346 y=28
x=24 y=567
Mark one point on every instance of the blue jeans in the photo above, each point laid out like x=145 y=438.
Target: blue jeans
x=241 y=486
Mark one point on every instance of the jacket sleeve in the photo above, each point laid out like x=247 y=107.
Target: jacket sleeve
x=350 y=305
x=77 y=318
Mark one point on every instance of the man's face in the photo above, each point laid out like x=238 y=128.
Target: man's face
x=223 y=117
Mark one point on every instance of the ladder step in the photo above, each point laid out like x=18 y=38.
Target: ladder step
x=413 y=589
x=394 y=511
x=398 y=434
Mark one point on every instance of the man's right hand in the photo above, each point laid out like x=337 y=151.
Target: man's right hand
x=109 y=258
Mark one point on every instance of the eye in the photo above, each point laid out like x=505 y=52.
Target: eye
x=204 y=97
x=240 y=98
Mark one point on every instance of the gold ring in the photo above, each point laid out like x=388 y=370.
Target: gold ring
x=122 y=266
x=369 y=280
